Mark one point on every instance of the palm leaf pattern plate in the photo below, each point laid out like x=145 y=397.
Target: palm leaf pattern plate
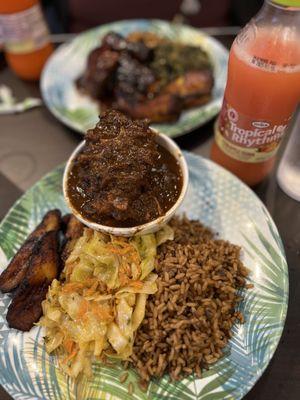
x=222 y=202
x=81 y=113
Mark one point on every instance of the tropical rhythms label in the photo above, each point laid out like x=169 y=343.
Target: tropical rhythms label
x=246 y=139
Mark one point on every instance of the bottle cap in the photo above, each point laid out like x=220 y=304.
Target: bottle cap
x=289 y=3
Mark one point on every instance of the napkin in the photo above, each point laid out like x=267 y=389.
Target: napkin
x=9 y=104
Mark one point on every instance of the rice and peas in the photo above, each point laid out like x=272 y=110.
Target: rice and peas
x=170 y=310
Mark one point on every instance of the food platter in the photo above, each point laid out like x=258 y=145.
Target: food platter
x=221 y=202
x=68 y=62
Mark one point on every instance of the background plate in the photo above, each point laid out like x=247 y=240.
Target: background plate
x=69 y=60
x=222 y=202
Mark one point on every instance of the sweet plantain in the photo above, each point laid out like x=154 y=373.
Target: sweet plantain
x=43 y=266
x=16 y=270
x=73 y=232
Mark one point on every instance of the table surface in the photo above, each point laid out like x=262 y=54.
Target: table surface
x=34 y=142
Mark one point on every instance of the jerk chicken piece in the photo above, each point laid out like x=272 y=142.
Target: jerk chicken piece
x=188 y=90
x=16 y=270
x=147 y=77
x=131 y=93
x=193 y=88
x=137 y=49
x=96 y=80
x=183 y=79
x=43 y=266
x=132 y=77
x=99 y=76
x=139 y=94
x=162 y=108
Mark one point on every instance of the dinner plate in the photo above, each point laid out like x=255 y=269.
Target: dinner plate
x=81 y=113
x=225 y=204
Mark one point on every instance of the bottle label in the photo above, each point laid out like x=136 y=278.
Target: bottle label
x=24 y=31
x=247 y=139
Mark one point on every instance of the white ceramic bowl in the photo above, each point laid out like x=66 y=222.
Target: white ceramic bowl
x=151 y=226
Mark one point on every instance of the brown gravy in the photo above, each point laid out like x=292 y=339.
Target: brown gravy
x=148 y=199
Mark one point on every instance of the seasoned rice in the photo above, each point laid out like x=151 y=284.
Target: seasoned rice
x=188 y=321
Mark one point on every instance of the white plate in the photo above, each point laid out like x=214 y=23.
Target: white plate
x=81 y=113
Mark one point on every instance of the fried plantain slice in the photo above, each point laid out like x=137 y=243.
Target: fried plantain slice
x=50 y=222
x=16 y=270
x=65 y=222
x=74 y=228
x=73 y=232
x=44 y=266
x=162 y=108
x=191 y=84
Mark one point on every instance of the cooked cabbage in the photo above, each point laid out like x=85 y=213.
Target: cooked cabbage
x=99 y=304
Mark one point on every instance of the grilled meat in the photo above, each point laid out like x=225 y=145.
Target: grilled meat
x=133 y=80
x=109 y=59
x=191 y=84
x=162 y=108
x=147 y=77
x=194 y=101
x=96 y=80
x=43 y=266
x=137 y=49
x=150 y=39
x=132 y=77
x=191 y=89
x=16 y=270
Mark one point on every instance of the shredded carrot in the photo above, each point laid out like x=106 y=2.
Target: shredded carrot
x=72 y=287
x=92 y=289
x=123 y=278
x=69 y=345
x=90 y=283
x=119 y=251
x=136 y=284
x=136 y=258
x=126 y=268
x=83 y=308
x=101 y=312
x=69 y=357
x=119 y=240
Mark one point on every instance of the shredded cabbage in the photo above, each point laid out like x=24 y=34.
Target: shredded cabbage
x=165 y=234
x=100 y=301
